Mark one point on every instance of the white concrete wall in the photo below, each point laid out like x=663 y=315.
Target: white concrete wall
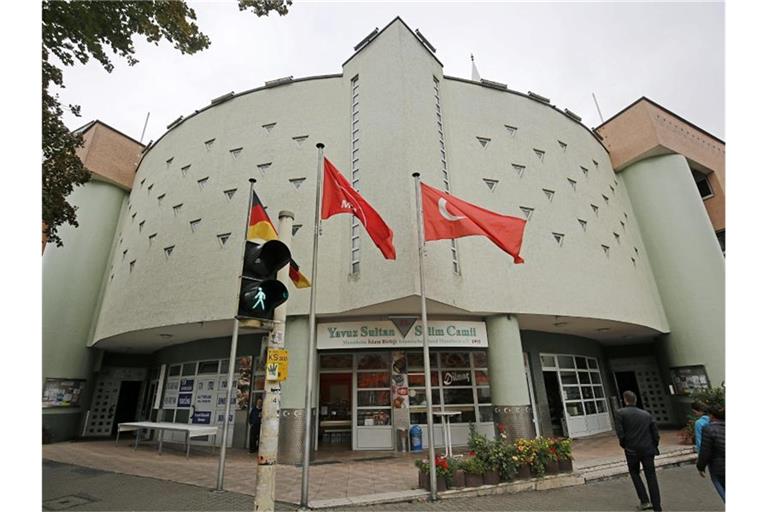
x=398 y=135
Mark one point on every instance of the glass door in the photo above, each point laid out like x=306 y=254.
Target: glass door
x=583 y=396
x=372 y=402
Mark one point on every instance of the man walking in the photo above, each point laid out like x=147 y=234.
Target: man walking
x=712 y=452
x=254 y=418
x=639 y=437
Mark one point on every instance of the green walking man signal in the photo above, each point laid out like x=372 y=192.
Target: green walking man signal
x=260 y=291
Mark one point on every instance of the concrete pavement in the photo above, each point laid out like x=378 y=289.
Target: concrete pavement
x=76 y=488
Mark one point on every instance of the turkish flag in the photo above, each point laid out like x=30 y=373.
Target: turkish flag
x=340 y=197
x=446 y=216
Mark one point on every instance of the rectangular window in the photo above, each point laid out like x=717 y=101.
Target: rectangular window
x=444 y=167
x=355 y=128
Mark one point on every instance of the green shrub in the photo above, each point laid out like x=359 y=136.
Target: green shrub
x=473 y=466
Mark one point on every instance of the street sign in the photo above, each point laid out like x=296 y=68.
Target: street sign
x=277 y=364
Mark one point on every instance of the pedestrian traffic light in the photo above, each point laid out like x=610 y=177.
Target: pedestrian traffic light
x=260 y=291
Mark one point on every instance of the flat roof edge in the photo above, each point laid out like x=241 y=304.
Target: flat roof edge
x=517 y=93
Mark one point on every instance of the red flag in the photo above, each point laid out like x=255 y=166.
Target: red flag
x=446 y=216
x=340 y=197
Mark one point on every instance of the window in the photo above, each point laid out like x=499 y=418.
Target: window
x=702 y=184
x=721 y=240
x=444 y=164
x=177 y=208
x=194 y=225
x=459 y=380
x=580 y=383
x=355 y=127
x=373 y=389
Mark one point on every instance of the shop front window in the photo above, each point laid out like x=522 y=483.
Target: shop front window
x=454 y=360
x=372 y=398
x=373 y=417
x=336 y=361
x=373 y=380
x=376 y=361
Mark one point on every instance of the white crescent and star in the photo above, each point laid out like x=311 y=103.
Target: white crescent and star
x=441 y=206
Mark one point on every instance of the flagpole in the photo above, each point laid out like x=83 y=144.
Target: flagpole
x=425 y=344
x=232 y=355
x=312 y=337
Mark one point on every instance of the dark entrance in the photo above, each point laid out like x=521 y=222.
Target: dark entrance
x=336 y=410
x=127 y=402
x=556 y=410
x=627 y=381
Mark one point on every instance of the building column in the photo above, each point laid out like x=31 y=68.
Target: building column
x=509 y=391
x=687 y=263
x=290 y=448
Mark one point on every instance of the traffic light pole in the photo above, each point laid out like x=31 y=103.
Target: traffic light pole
x=231 y=369
x=270 y=417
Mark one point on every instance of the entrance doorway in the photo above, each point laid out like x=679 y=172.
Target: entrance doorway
x=627 y=381
x=556 y=411
x=335 y=410
x=127 y=403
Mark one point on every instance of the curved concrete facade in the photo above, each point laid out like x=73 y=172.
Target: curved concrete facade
x=73 y=275
x=270 y=134
x=686 y=260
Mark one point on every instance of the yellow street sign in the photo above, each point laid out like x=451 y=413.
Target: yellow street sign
x=277 y=364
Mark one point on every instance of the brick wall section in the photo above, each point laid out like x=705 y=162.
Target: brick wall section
x=110 y=155
x=646 y=129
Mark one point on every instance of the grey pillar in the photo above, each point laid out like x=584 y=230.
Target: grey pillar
x=509 y=392
x=291 y=441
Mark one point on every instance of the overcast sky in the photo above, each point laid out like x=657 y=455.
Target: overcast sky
x=673 y=53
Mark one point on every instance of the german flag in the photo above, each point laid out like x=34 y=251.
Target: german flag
x=261 y=228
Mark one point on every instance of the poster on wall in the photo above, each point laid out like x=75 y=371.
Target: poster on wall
x=688 y=379
x=244 y=372
x=186 y=385
x=62 y=392
x=202 y=417
x=399 y=391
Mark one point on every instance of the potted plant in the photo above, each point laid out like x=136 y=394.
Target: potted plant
x=474 y=468
x=564 y=454
x=526 y=458
x=548 y=455
x=501 y=459
x=443 y=473
x=456 y=474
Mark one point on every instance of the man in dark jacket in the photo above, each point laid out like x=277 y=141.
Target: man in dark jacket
x=712 y=452
x=639 y=437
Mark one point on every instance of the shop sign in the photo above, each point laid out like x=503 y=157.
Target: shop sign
x=187 y=385
x=277 y=364
x=185 y=400
x=385 y=334
x=457 y=379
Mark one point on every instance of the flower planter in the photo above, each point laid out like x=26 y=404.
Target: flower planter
x=552 y=467
x=491 y=477
x=459 y=479
x=524 y=472
x=472 y=480
x=566 y=466
x=424 y=482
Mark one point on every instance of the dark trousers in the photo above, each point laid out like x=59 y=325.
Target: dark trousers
x=634 y=459
x=719 y=482
x=253 y=445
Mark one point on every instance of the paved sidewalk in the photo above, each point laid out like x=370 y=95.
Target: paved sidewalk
x=75 y=488
x=333 y=476
x=682 y=489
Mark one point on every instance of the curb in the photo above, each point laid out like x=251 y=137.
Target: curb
x=580 y=477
